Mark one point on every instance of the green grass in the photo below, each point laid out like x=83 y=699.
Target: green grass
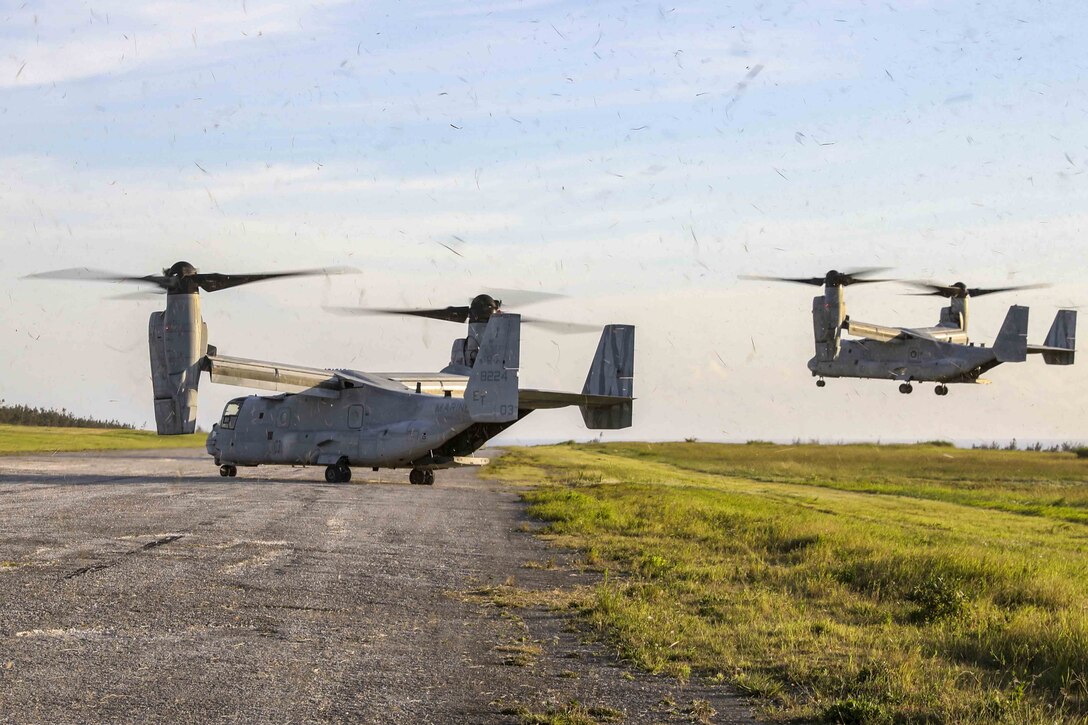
x=571 y=713
x=17 y=439
x=840 y=583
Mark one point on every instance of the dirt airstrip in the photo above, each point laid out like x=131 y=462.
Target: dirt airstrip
x=144 y=587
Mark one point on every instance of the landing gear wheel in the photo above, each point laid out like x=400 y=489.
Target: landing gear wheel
x=906 y=388
x=418 y=477
x=821 y=383
x=345 y=473
x=428 y=478
x=228 y=471
x=338 y=473
x=941 y=390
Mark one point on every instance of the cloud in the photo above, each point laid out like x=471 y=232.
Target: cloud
x=66 y=41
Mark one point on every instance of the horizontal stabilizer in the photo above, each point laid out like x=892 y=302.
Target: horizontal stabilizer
x=529 y=399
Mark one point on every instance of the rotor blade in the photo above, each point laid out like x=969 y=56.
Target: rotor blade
x=831 y=278
x=941 y=290
x=86 y=274
x=865 y=271
x=957 y=290
x=144 y=295
x=979 y=291
x=213 y=281
x=519 y=298
x=448 y=314
x=817 y=281
x=864 y=280
x=563 y=328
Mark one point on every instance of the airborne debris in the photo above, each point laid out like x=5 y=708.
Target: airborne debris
x=450 y=248
x=738 y=91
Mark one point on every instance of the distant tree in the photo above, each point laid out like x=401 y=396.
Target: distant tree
x=25 y=415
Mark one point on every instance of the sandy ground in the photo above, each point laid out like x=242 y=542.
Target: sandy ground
x=144 y=587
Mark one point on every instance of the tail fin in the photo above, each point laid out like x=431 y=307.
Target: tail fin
x=1063 y=334
x=1011 y=344
x=492 y=392
x=612 y=373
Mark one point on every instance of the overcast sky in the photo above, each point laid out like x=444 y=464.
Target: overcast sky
x=635 y=156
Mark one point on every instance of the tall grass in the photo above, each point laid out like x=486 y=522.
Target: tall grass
x=848 y=584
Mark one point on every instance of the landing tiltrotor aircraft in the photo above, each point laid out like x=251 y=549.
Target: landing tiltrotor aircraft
x=941 y=354
x=344 y=418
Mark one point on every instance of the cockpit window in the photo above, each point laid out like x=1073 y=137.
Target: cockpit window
x=230 y=414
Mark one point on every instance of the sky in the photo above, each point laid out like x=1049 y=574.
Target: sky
x=636 y=157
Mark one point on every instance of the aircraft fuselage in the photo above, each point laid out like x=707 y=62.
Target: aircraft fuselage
x=364 y=426
x=906 y=360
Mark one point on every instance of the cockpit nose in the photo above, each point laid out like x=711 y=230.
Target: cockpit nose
x=212 y=444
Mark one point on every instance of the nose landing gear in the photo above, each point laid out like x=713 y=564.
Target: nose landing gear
x=821 y=383
x=906 y=388
x=228 y=471
x=941 y=389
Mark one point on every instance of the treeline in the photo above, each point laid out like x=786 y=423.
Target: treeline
x=25 y=415
x=1066 y=447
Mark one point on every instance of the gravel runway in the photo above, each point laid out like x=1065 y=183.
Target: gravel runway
x=142 y=587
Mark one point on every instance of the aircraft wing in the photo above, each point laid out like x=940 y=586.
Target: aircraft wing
x=920 y=334
x=883 y=333
x=328 y=383
x=272 y=376
x=431 y=383
x=285 y=378
x=871 y=331
x=939 y=333
x=529 y=399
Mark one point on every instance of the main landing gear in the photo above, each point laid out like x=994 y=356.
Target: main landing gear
x=338 y=473
x=228 y=471
x=941 y=389
x=421 y=477
x=906 y=388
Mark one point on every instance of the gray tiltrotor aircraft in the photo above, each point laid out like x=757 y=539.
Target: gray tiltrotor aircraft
x=344 y=418
x=940 y=354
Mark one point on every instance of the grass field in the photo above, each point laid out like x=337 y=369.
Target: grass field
x=15 y=439
x=835 y=583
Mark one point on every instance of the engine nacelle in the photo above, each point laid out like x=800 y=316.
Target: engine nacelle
x=828 y=314
x=178 y=341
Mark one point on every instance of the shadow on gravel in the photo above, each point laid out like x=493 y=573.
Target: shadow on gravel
x=52 y=479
